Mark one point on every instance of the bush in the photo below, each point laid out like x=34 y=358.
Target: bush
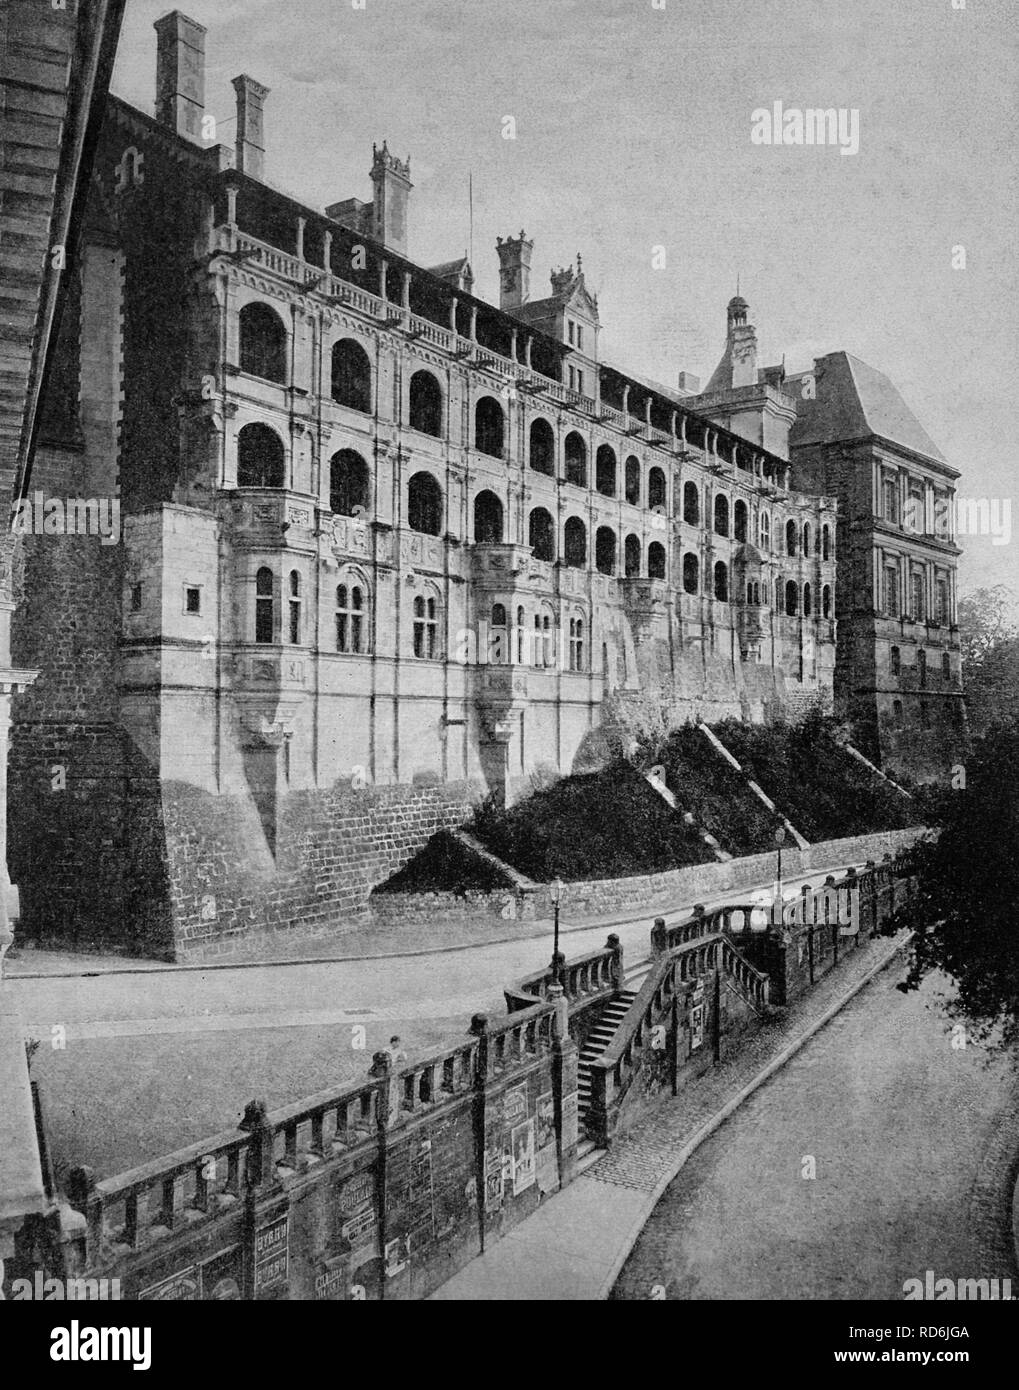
x=609 y=824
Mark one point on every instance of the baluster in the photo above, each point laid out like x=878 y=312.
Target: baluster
x=201 y=1197
x=131 y=1220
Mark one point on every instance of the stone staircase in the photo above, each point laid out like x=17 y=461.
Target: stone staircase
x=597 y=1041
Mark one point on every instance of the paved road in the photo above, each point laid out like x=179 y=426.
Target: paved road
x=136 y=1065
x=912 y=1142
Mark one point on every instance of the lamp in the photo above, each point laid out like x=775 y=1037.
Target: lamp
x=555 y=890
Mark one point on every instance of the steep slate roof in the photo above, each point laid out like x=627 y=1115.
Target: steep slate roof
x=855 y=401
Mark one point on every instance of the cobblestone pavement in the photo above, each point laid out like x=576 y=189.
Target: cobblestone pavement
x=912 y=1143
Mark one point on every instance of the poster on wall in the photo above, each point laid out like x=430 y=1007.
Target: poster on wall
x=420 y=1196
x=217 y=1278
x=272 y=1254
x=514 y=1104
x=359 y=1226
x=546 y=1164
x=522 y=1140
x=493 y=1180
x=571 y=1120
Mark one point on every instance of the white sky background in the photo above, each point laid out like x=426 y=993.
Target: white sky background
x=633 y=131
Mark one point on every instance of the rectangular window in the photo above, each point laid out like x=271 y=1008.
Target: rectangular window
x=572 y=379
x=136 y=598
x=891 y=604
x=891 y=501
x=917 y=595
x=192 y=600
x=580 y=381
x=569 y=330
x=580 y=337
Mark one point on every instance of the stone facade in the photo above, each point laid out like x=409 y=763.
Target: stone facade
x=375 y=534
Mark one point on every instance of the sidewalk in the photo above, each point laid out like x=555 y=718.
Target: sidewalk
x=575 y=1246
x=365 y=943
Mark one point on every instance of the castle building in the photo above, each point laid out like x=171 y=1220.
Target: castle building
x=848 y=433
x=385 y=548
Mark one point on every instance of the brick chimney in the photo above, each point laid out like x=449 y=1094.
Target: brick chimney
x=251 y=97
x=391 y=178
x=180 y=74
x=514 y=271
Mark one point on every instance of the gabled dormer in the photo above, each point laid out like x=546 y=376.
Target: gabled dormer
x=570 y=313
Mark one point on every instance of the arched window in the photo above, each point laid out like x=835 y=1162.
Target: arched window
x=264 y=606
x=349 y=487
x=807 y=601
x=352 y=375
x=521 y=635
x=655 y=488
x=691 y=504
x=896 y=661
x=424 y=505
x=825 y=543
x=544 y=650
x=426 y=627
x=631 y=557
x=778 y=595
x=921 y=666
x=739 y=520
x=575 y=543
x=806 y=538
x=605 y=471
x=542 y=455
x=425 y=404
x=791 y=599
x=487 y=519
x=541 y=535
x=750 y=592
x=295 y=608
x=897 y=711
x=826 y=601
x=721 y=581
x=946 y=666
x=764 y=530
x=721 y=515
x=605 y=550
x=260 y=458
x=263 y=343
x=575 y=454
x=633 y=481
x=350 y=614
x=488 y=427
x=790 y=538
x=576 y=644
x=656 y=560
x=691 y=573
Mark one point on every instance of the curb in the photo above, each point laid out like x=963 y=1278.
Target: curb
x=719 y=1118
x=167 y=967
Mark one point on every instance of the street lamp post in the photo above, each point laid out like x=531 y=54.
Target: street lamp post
x=556 y=892
x=779 y=842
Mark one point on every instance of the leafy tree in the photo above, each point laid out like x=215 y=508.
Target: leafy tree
x=990 y=656
x=965 y=916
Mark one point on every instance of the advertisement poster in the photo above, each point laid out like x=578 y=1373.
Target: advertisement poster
x=514 y=1104
x=571 y=1119
x=544 y=1121
x=493 y=1181
x=421 y=1209
x=272 y=1254
x=523 y=1157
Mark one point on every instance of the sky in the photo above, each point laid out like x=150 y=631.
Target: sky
x=633 y=121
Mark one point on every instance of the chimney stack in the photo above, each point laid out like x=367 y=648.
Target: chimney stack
x=514 y=271
x=391 y=178
x=180 y=74
x=251 y=97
